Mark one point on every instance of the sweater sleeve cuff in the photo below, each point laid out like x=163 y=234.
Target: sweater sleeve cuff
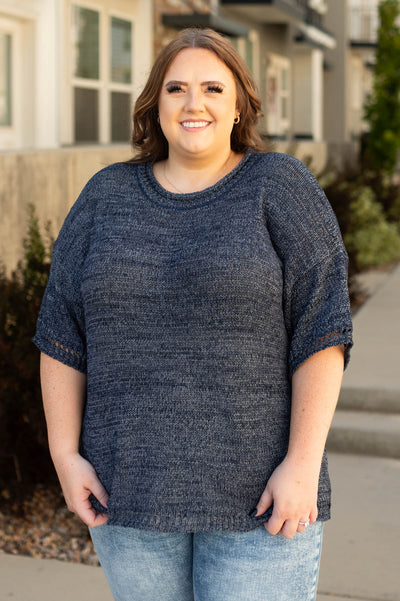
x=61 y=352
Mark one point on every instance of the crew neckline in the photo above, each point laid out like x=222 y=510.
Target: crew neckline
x=159 y=195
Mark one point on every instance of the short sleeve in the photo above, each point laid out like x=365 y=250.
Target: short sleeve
x=318 y=310
x=60 y=330
x=307 y=239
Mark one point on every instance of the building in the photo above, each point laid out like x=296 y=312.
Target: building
x=70 y=71
x=312 y=61
x=349 y=70
x=284 y=44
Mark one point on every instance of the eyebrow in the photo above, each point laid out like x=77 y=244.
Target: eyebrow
x=176 y=82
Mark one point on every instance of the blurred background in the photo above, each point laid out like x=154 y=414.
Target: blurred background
x=328 y=74
x=70 y=72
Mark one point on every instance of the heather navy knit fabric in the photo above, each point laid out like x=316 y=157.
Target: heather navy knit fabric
x=189 y=314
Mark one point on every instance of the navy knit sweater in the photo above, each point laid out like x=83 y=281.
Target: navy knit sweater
x=189 y=313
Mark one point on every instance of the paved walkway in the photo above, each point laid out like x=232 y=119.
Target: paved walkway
x=374 y=371
x=368 y=417
x=361 y=555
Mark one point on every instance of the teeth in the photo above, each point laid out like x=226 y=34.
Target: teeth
x=195 y=123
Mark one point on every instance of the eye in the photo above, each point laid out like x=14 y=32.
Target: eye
x=215 y=89
x=174 y=88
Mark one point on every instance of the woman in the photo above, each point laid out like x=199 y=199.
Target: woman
x=193 y=334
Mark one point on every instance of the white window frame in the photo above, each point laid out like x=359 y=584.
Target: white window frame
x=277 y=124
x=126 y=88
x=103 y=85
x=254 y=39
x=11 y=135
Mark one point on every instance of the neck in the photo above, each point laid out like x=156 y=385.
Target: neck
x=187 y=175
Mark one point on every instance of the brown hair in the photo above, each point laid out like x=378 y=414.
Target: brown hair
x=147 y=136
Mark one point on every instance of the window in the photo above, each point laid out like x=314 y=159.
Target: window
x=16 y=114
x=121 y=78
x=121 y=51
x=5 y=80
x=278 y=96
x=285 y=93
x=102 y=77
x=86 y=72
x=86 y=115
x=87 y=35
x=249 y=50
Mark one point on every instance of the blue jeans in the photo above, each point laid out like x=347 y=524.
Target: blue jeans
x=142 y=565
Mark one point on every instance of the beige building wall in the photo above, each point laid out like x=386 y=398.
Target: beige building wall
x=51 y=180
x=337 y=75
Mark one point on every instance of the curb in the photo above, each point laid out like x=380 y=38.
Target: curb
x=365 y=433
x=367 y=399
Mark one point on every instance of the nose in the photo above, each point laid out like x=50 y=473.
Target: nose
x=194 y=100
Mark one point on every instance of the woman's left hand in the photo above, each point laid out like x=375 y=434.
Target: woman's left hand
x=293 y=490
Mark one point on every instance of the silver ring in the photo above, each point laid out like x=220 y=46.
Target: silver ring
x=307 y=523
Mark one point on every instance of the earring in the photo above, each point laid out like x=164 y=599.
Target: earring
x=158 y=118
x=237 y=119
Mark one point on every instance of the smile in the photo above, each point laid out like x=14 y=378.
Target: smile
x=195 y=124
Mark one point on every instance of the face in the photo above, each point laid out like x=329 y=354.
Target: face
x=197 y=105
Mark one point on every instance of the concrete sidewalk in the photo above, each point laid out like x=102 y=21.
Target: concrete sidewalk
x=374 y=368
x=360 y=559
x=361 y=556
x=367 y=420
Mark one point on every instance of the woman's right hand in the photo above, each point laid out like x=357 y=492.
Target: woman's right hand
x=78 y=481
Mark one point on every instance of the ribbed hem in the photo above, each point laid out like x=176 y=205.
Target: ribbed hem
x=196 y=522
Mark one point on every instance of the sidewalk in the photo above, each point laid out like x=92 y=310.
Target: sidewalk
x=367 y=420
x=373 y=377
x=360 y=559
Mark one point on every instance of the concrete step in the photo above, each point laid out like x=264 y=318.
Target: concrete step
x=369 y=399
x=365 y=433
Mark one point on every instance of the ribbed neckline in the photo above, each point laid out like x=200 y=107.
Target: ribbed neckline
x=159 y=195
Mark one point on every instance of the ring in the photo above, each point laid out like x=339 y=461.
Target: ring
x=307 y=523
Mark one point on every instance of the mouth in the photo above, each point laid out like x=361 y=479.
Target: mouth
x=190 y=125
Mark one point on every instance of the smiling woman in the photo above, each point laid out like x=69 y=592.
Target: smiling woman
x=193 y=333
x=197 y=112
x=148 y=139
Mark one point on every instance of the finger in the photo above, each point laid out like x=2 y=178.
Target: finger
x=89 y=515
x=289 y=528
x=303 y=524
x=99 y=519
x=92 y=518
x=98 y=490
x=275 y=523
x=313 y=515
x=264 y=503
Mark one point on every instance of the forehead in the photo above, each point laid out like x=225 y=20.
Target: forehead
x=198 y=63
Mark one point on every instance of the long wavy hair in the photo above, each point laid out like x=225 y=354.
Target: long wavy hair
x=148 y=140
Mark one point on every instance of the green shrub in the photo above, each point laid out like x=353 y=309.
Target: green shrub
x=371 y=239
x=370 y=234
x=387 y=193
x=24 y=457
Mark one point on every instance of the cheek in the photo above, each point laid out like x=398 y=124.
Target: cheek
x=228 y=112
x=168 y=112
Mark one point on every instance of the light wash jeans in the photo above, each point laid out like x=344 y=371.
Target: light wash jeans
x=142 y=565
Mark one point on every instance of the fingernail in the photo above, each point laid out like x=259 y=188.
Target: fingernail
x=253 y=513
